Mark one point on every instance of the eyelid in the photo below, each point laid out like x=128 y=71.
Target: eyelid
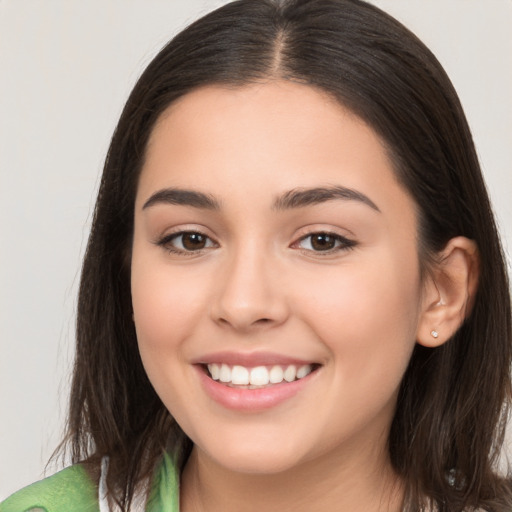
x=344 y=243
x=165 y=240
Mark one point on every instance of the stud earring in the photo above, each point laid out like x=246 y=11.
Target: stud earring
x=434 y=334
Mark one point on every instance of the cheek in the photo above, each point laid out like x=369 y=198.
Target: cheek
x=167 y=303
x=367 y=317
x=166 y=309
x=364 y=296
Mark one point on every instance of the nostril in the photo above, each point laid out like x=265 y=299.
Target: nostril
x=259 y=321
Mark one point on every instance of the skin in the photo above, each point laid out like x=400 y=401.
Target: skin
x=259 y=286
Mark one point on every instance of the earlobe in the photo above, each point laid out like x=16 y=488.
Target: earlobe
x=449 y=292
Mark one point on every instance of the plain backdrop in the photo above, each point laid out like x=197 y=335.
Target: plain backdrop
x=66 y=68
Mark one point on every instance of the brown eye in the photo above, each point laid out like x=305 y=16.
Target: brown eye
x=325 y=242
x=186 y=242
x=193 y=241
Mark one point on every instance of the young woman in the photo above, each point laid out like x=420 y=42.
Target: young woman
x=294 y=295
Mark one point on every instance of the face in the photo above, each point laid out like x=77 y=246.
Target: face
x=275 y=276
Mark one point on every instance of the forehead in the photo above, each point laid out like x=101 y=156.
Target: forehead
x=279 y=110
x=280 y=134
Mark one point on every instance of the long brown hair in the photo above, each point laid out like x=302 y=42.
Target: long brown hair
x=450 y=418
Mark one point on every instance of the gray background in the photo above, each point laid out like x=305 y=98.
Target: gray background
x=67 y=67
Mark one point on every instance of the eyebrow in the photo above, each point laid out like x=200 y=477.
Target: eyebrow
x=301 y=197
x=295 y=198
x=183 y=197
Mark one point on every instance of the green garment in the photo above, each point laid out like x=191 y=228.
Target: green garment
x=72 y=490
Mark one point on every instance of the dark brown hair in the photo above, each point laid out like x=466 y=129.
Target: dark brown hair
x=449 y=423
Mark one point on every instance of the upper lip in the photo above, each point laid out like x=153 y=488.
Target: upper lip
x=250 y=360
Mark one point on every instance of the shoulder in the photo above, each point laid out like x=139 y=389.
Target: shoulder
x=69 y=490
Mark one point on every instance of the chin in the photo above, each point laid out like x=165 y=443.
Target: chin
x=253 y=459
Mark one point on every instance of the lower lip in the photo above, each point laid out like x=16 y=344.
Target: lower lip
x=242 y=399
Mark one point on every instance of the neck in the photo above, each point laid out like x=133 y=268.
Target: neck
x=354 y=482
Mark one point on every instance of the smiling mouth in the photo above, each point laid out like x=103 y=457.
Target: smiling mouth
x=241 y=377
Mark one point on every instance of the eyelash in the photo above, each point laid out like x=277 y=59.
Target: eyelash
x=341 y=243
x=166 y=242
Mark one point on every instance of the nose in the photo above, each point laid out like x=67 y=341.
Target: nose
x=250 y=295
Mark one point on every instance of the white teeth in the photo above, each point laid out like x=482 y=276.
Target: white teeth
x=225 y=373
x=276 y=375
x=214 y=371
x=239 y=375
x=290 y=373
x=259 y=375
x=303 y=371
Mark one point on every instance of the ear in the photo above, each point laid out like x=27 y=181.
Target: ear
x=449 y=292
